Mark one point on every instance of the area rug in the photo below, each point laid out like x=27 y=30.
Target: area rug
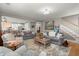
x=40 y=50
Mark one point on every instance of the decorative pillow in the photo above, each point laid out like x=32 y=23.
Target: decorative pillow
x=52 y=34
x=33 y=32
x=59 y=35
x=45 y=34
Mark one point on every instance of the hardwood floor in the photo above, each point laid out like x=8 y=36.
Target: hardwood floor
x=74 y=49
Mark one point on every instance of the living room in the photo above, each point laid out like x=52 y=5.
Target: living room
x=43 y=29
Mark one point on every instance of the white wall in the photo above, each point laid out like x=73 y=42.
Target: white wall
x=72 y=19
x=16 y=20
x=70 y=24
x=10 y=21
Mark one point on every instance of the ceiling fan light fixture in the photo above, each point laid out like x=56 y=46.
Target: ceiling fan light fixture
x=46 y=11
x=7 y=3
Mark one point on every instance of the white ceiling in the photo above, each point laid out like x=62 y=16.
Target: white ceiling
x=31 y=11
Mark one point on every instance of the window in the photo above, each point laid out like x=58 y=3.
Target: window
x=15 y=26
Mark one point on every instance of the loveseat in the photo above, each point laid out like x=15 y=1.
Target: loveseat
x=56 y=39
x=28 y=35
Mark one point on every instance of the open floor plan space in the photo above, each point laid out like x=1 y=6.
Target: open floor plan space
x=39 y=29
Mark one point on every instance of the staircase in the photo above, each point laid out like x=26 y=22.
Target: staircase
x=70 y=29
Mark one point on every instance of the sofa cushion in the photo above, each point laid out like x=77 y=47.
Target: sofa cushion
x=12 y=53
x=21 y=50
x=4 y=51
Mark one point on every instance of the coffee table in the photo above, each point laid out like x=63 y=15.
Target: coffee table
x=13 y=44
x=43 y=41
